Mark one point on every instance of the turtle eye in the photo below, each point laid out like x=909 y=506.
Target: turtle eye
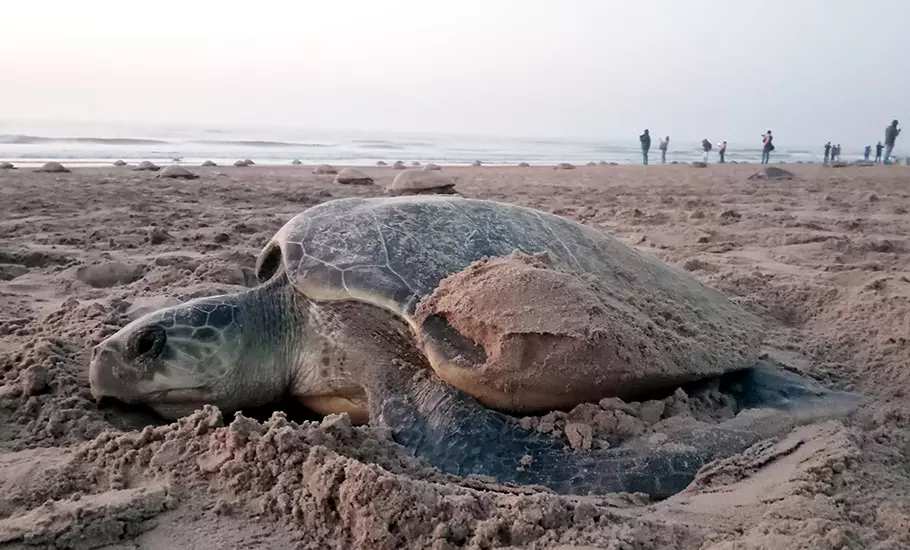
x=148 y=342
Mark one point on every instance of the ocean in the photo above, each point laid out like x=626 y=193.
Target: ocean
x=95 y=144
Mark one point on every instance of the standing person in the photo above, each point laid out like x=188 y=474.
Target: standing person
x=867 y=152
x=767 y=147
x=878 y=151
x=706 y=146
x=645 y=140
x=827 y=152
x=891 y=133
x=838 y=151
x=722 y=150
x=664 y=143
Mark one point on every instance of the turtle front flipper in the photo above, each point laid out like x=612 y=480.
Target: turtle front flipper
x=458 y=435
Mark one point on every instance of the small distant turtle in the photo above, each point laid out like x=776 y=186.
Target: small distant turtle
x=53 y=168
x=431 y=166
x=602 y=163
x=177 y=172
x=772 y=173
x=591 y=163
x=339 y=322
x=699 y=164
x=476 y=163
x=209 y=164
x=325 y=169
x=296 y=162
x=240 y=163
x=421 y=182
x=119 y=163
x=147 y=166
x=523 y=165
x=399 y=165
x=415 y=163
x=248 y=162
x=617 y=164
x=381 y=163
x=353 y=176
x=565 y=166
x=7 y=166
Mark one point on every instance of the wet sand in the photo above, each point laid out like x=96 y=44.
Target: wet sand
x=823 y=259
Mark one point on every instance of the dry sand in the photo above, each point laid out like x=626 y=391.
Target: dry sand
x=823 y=259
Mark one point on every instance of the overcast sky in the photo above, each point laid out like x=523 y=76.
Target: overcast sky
x=810 y=70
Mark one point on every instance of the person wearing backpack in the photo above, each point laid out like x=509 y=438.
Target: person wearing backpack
x=767 y=147
x=706 y=145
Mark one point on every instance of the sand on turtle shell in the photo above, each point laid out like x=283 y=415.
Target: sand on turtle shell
x=602 y=341
x=822 y=264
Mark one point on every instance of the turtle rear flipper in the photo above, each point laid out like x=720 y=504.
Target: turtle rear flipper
x=458 y=435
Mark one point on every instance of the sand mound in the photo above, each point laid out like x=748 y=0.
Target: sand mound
x=109 y=274
x=53 y=168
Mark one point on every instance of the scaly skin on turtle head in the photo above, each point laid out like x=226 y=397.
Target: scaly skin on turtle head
x=231 y=351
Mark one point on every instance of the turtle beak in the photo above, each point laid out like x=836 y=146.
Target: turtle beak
x=111 y=377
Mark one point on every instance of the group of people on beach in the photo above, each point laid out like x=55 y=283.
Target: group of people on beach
x=645 y=139
x=832 y=152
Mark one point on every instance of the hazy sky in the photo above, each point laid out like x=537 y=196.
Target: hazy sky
x=810 y=70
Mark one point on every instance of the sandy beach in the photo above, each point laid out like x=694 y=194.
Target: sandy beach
x=823 y=259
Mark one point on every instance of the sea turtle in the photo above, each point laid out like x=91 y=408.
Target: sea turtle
x=699 y=164
x=53 y=168
x=420 y=182
x=147 y=166
x=591 y=163
x=772 y=173
x=476 y=163
x=398 y=165
x=209 y=164
x=240 y=163
x=7 y=166
x=353 y=176
x=381 y=163
x=296 y=162
x=248 y=162
x=176 y=172
x=523 y=165
x=565 y=166
x=343 y=321
x=415 y=163
x=430 y=166
x=325 y=169
x=119 y=163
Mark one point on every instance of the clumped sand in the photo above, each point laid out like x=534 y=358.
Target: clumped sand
x=823 y=260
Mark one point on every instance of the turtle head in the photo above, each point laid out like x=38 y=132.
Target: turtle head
x=180 y=358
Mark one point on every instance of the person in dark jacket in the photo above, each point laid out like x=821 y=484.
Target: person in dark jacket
x=645 y=140
x=827 y=152
x=767 y=147
x=891 y=133
x=722 y=150
x=867 y=153
x=878 y=151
